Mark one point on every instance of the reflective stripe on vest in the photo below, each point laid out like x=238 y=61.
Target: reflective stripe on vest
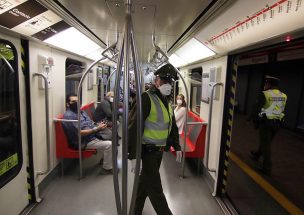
x=275 y=104
x=158 y=123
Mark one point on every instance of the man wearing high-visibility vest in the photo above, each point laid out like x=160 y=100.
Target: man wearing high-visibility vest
x=158 y=126
x=270 y=114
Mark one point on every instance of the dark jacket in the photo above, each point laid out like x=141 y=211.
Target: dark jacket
x=146 y=106
x=103 y=111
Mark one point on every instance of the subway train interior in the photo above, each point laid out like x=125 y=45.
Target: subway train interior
x=223 y=51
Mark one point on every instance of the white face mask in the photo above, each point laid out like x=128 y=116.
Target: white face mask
x=165 y=89
x=179 y=102
x=111 y=99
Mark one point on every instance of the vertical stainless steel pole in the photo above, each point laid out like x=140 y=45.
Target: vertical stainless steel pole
x=114 y=128
x=174 y=92
x=78 y=112
x=108 y=81
x=138 y=80
x=126 y=89
x=185 y=126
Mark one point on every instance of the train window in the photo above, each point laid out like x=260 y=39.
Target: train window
x=100 y=82
x=10 y=135
x=196 y=90
x=73 y=73
x=105 y=75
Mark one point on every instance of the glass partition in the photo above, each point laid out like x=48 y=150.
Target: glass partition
x=10 y=135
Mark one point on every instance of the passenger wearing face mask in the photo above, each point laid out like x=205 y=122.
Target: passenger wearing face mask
x=104 y=109
x=180 y=112
x=89 y=133
x=158 y=126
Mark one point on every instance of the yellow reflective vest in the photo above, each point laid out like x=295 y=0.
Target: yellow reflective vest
x=158 y=123
x=275 y=104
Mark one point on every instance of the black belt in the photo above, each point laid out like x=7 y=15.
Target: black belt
x=152 y=148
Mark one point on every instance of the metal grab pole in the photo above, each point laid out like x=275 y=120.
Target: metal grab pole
x=185 y=126
x=197 y=123
x=8 y=64
x=109 y=48
x=126 y=89
x=159 y=49
x=108 y=81
x=78 y=112
x=47 y=123
x=138 y=80
x=212 y=85
x=64 y=120
x=114 y=128
x=174 y=92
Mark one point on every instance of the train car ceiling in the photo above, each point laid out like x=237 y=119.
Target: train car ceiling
x=222 y=26
x=249 y=22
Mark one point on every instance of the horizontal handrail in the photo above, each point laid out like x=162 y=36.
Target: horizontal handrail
x=197 y=123
x=64 y=120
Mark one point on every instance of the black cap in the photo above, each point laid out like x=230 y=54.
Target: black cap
x=272 y=80
x=166 y=72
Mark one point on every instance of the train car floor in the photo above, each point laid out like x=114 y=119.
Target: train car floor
x=287 y=157
x=94 y=194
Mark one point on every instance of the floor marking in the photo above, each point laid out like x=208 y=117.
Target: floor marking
x=273 y=192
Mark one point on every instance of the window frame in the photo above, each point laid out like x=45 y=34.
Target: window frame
x=14 y=171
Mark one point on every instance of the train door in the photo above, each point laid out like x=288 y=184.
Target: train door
x=13 y=175
x=253 y=185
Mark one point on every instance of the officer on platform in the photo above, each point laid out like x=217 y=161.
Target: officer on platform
x=269 y=114
x=159 y=126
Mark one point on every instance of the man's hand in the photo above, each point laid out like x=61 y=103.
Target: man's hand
x=133 y=164
x=101 y=126
x=179 y=155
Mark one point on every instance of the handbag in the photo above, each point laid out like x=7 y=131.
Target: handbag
x=105 y=134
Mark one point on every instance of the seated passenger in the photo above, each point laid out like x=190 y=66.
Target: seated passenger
x=180 y=112
x=104 y=110
x=89 y=133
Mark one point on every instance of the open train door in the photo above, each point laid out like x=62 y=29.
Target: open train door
x=14 y=196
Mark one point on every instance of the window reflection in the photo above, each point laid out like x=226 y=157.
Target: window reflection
x=196 y=89
x=10 y=144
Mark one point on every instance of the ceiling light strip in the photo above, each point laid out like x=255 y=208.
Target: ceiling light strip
x=212 y=9
x=68 y=17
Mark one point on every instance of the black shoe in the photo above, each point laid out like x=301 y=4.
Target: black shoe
x=264 y=171
x=106 y=171
x=254 y=155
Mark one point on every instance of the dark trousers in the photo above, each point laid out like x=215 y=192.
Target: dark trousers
x=150 y=185
x=267 y=130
